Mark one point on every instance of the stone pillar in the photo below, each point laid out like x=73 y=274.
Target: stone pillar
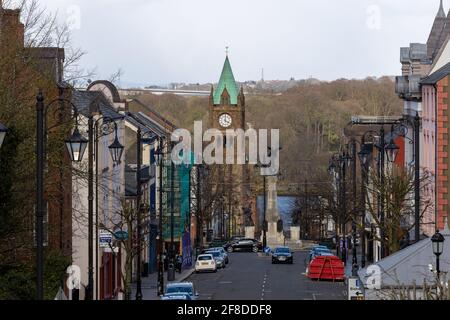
x=250 y=232
x=274 y=238
x=295 y=233
x=272 y=199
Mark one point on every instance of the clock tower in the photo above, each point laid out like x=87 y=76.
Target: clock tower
x=227 y=102
x=227 y=111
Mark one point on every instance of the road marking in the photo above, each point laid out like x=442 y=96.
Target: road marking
x=225 y=282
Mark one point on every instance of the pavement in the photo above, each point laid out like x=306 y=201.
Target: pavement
x=251 y=276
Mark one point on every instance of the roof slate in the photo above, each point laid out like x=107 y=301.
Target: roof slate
x=83 y=99
x=437 y=75
x=410 y=264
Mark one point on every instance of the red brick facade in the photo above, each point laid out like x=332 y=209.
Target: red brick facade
x=443 y=196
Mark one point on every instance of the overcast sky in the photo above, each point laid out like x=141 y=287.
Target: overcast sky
x=163 y=41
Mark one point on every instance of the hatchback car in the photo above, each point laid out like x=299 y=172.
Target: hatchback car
x=282 y=255
x=205 y=262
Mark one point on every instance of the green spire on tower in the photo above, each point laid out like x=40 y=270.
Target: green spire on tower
x=441 y=12
x=226 y=81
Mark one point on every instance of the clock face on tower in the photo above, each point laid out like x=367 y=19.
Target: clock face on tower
x=225 y=120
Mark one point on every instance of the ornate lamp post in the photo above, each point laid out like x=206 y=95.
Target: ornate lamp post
x=159 y=157
x=76 y=146
x=364 y=155
x=438 y=247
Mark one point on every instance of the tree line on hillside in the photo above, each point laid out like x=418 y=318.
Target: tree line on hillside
x=310 y=117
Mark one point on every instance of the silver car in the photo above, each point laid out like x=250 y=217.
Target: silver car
x=218 y=257
x=222 y=251
x=180 y=291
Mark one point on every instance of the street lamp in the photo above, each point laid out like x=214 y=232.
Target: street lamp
x=438 y=247
x=392 y=151
x=159 y=157
x=76 y=145
x=116 y=149
x=3 y=131
x=364 y=154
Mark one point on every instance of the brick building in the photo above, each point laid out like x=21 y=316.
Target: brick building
x=421 y=70
x=44 y=68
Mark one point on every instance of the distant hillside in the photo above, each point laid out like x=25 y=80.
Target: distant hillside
x=310 y=116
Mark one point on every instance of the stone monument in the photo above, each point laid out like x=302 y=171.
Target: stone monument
x=273 y=236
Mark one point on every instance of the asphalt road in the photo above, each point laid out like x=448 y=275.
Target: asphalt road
x=251 y=276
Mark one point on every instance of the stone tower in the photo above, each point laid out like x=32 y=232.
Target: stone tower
x=227 y=111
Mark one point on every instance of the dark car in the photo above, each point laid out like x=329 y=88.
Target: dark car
x=282 y=255
x=244 y=244
x=217 y=243
x=236 y=238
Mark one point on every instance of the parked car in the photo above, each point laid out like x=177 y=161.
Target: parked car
x=244 y=244
x=217 y=243
x=282 y=255
x=176 y=296
x=205 y=262
x=180 y=291
x=221 y=250
x=319 y=251
x=236 y=238
x=218 y=256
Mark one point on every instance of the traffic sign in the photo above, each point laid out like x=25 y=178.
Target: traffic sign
x=104 y=239
x=121 y=235
x=354 y=289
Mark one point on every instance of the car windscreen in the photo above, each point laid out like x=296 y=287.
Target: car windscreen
x=215 y=254
x=204 y=258
x=180 y=289
x=282 y=250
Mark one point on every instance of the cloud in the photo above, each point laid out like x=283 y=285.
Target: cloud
x=162 y=41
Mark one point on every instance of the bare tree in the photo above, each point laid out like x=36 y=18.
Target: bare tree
x=396 y=193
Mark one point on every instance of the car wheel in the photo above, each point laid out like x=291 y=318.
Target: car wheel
x=230 y=249
x=255 y=249
x=215 y=270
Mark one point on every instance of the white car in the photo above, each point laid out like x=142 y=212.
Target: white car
x=205 y=262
